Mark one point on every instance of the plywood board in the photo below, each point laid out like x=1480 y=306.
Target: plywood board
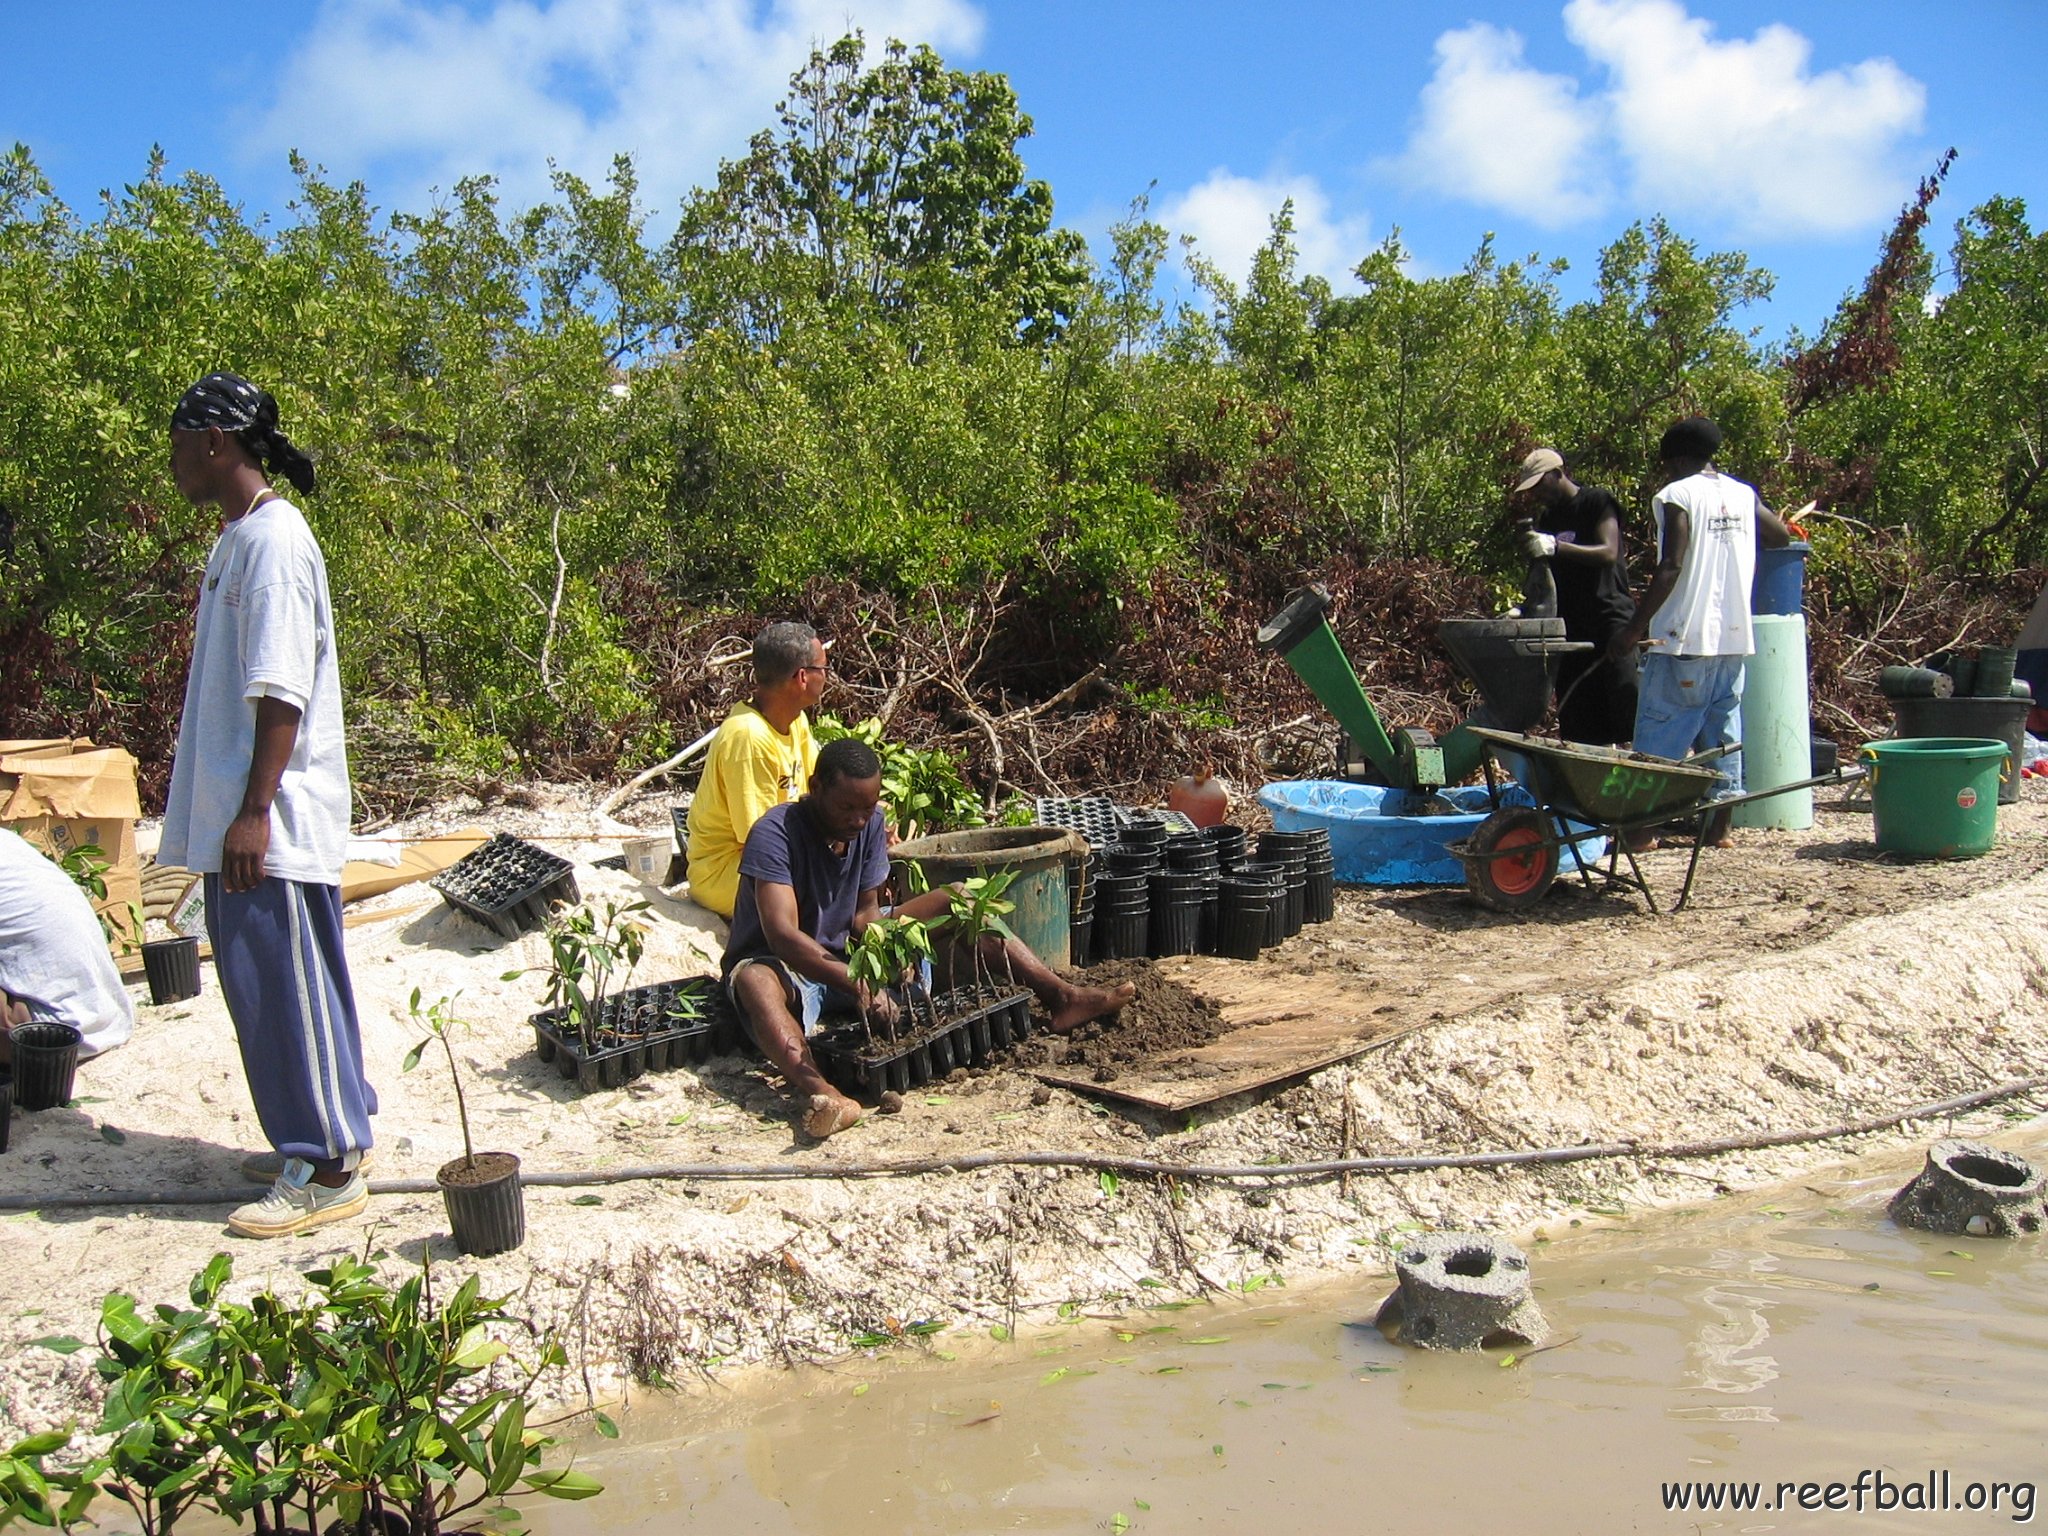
x=1288 y=1025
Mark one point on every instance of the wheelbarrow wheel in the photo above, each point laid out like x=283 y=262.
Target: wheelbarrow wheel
x=1509 y=861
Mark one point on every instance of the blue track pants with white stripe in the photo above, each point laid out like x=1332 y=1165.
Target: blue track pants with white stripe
x=278 y=953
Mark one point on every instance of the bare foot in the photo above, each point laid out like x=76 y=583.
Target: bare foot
x=828 y=1114
x=1087 y=1003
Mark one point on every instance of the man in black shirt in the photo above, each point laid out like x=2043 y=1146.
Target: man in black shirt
x=1578 y=529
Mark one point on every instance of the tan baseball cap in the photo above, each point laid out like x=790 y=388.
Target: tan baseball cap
x=1537 y=465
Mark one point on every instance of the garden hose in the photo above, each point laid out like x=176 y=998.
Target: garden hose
x=1094 y=1161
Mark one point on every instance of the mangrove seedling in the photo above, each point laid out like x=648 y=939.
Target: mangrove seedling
x=440 y=1022
x=87 y=865
x=351 y=1409
x=586 y=957
x=891 y=952
x=977 y=911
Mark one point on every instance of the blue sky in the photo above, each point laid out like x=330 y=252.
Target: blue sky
x=1791 y=130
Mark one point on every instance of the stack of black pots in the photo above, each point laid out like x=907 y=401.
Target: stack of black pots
x=1274 y=873
x=1291 y=851
x=1123 y=904
x=1190 y=853
x=1244 y=903
x=1082 y=871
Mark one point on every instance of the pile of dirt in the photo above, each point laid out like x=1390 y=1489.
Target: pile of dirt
x=1164 y=1019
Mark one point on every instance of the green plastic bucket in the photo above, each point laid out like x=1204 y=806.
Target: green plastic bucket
x=1935 y=797
x=1038 y=854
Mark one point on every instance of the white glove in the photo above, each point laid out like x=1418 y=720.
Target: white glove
x=1539 y=546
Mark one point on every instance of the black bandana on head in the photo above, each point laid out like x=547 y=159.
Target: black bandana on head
x=223 y=400
x=249 y=414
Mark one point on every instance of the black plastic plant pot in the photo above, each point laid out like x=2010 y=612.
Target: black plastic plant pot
x=1081 y=939
x=1321 y=898
x=1243 y=910
x=1124 y=935
x=1228 y=841
x=45 y=1061
x=6 y=1106
x=486 y=1205
x=1175 y=928
x=172 y=966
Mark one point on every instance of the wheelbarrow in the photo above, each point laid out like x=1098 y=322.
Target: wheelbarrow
x=1514 y=856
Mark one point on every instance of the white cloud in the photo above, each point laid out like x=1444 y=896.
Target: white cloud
x=415 y=94
x=1494 y=131
x=1230 y=217
x=1740 y=131
x=1743 y=130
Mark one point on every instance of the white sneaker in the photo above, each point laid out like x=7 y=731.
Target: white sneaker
x=296 y=1204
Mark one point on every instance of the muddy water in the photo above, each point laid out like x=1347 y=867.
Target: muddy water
x=1795 y=1337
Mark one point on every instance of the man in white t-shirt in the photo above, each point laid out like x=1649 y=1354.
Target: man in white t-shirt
x=1695 y=613
x=259 y=805
x=54 y=964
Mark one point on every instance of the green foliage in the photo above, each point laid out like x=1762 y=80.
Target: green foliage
x=886 y=188
x=867 y=353
x=354 y=1400
x=977 y=911
x=87 y=865
x=923 y=790
x=1949 y=445
x=588 y=958
x=30 y=1491
x=890 y=952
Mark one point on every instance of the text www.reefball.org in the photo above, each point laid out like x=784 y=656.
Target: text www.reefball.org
x=1938 y=1492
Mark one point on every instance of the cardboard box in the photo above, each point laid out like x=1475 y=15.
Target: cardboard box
x=66 y=794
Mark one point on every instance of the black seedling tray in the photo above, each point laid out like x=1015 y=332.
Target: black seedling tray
x=647 y=1039
x=1090 y=815
x=974 y=1029
x=507 y=885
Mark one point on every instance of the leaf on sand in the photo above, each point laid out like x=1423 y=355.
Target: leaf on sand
x=113 y=1134
x=860 y=1390
x=588 y=1200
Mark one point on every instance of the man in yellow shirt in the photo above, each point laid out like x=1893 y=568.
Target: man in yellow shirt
x=762 y=755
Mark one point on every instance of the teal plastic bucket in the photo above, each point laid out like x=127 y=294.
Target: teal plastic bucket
x=1038 y=855
x=1935 y=797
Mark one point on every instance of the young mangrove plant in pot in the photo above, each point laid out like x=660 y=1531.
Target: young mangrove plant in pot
x=891 y=952
x=586 y=956
x=977 y=911
x=486 y=1206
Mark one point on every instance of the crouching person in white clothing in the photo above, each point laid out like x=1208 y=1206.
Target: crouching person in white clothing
x=54 y=964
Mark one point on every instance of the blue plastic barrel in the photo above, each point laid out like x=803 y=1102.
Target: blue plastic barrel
x=1780 y=582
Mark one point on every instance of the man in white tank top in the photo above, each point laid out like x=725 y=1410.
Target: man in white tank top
x=1695 y=613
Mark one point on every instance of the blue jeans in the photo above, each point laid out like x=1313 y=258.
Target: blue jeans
x=1689 y=703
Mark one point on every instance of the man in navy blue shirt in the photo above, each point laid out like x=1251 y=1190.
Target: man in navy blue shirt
x=811 y=878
